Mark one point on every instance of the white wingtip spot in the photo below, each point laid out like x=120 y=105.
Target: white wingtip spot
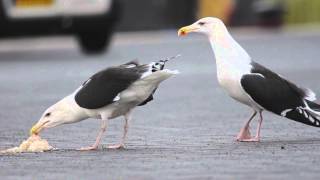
x=305 y=114
x=117 y=98
x=284 y=113
x=258 y=74
x=312 y=120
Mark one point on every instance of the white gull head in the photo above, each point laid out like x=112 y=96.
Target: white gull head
x=207 y=26
x=65 y=111
x=224 y=46
x=231 y=59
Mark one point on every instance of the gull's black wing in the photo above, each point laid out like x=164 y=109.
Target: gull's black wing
x=102 y=88
x=278 y=95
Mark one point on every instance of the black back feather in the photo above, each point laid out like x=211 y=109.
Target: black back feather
x=277 y=95
x=104 y=86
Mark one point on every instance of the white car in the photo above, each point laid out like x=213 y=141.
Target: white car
x=92 y=21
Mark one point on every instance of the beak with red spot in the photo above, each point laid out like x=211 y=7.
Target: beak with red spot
x=187 y=29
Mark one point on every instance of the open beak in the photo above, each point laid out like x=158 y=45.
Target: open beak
x=185 y=30
x=37 y=127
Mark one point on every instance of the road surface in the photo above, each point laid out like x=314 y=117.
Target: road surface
x=187 y=132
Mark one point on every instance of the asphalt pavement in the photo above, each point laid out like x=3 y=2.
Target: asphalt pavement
x=187 y=132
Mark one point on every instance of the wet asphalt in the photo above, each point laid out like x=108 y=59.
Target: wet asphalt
x=187 y=132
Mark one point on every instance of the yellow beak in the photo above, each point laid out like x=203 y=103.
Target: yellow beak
x=185 y=30
x=37 y=128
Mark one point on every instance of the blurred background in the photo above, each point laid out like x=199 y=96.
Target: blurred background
x=49 y=47
x=93 y=22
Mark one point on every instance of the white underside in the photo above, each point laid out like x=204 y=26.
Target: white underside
x=229 y=79
x=231 y=66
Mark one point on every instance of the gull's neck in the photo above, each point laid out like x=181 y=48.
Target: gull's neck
x=74 y=111
x=226 y=49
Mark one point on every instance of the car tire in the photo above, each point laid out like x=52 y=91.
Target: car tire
x=95 y=42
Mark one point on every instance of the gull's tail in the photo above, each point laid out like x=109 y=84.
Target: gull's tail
x=157 y=74
x=314 y=112
x=162 y=62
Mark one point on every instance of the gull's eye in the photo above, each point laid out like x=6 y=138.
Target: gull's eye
x=47 y=114
x=201 y=23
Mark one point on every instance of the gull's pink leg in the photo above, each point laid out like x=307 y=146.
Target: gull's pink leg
x=244 y=133
x=127 y=118
x=259 y=127
x=257 y=137
x=99 y=137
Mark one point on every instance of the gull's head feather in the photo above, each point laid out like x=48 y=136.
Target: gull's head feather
x=207 y=26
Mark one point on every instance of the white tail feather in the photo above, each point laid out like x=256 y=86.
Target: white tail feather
x=310 y=95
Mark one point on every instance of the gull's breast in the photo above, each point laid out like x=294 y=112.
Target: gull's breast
x=229 y=78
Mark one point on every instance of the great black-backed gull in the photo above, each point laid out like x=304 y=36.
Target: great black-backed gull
x=251 y=83
x=108 y=94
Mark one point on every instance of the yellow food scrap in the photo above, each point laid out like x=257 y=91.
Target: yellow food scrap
x=33 y=144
